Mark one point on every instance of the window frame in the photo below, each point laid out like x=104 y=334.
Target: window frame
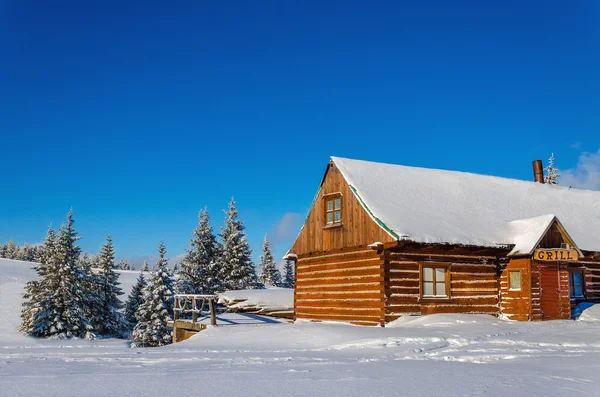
x=331 y=198
x=572 y=283
x=510 y=287
x=447 y=282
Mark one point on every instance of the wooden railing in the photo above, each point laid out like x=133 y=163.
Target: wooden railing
x=197 y=305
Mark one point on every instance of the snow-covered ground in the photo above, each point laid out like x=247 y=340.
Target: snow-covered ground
x=246 y=355
x=267 y=299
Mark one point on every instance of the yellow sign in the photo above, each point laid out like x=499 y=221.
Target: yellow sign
x=555 y=255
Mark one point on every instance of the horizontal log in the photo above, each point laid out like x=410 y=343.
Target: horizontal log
x=402 y=290
x=473 y=283
x=402 y=282
x=358 y=287
x=341 y=273
x=337 y=295
x=335 y=317
x=471 y=292
x=472 y=276
x=397 y=300
x=339 y=304
x=338 y=265
x=401 y=266
x=340 y=281
x=458 y=309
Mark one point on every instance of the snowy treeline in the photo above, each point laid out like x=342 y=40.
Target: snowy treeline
x=25 y=252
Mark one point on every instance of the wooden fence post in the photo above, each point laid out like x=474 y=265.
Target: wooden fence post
x=213 y=316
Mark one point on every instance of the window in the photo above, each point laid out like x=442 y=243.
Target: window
x=514 y=280
x=576 y=283
x=435 y=281
x=333 y=209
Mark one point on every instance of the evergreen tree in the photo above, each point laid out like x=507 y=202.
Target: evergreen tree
x=91 y=294
x=152 y=315
x=109 y=320
x=136 y=297
x=145 y=267
x=176 y=268
x=551 y=173
x=288 y=274
x=236 y=270
x=270 y=274
x=198 y=269
x=10 y=249
x=34 y=292
x=62 y=312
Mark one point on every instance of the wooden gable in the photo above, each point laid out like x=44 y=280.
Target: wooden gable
x=357 y=228
x=556 y=244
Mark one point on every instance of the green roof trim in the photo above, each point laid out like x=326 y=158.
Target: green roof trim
x=379 y=222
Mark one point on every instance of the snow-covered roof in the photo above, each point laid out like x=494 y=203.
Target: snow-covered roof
x=437 y=206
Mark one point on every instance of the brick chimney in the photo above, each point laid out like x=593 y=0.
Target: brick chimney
x=538 y=171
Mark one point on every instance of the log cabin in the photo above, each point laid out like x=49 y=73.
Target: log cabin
x=383 y=241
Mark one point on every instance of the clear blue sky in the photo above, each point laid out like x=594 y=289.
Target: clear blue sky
x=137 y=114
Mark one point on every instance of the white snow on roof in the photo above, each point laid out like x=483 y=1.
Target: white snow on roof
x=527 y=233
x=438 y=206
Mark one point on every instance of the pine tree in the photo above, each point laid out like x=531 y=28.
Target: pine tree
x=236 y=269
x=152 y=315
x=198 y=269
x=34 y=292
x=551 y=173
x=109 y=320
x=176 y=268
x=288 y=274
x=136 y=297
x=145 y=267
x=10 y=250
x=62 y=312
x=270 y=275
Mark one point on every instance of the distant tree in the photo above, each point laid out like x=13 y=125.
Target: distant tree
x=109 y=320
x=145 y=267
x=198 y=273
x=551 y=173
x=236 y=269
x=136 y=297
x=270 y=275
x=62 y=313
x=153 y=314
x=10 y=249
x=176 y=268
x=288 y=274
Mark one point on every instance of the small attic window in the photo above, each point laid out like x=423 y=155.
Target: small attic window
x=565 y=246
x=333 y=209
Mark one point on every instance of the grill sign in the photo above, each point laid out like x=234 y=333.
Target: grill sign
x=555 y=255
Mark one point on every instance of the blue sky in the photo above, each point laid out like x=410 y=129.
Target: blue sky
x=138 y=114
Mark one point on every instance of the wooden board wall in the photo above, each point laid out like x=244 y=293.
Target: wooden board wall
x=473 y=286
x=358 y=229
x=340 y=285
x=516 y=304
x=592 y=279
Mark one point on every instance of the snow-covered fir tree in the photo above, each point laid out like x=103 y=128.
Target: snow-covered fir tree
x=176 y=268
x=235 y=265
x=62 y=311
x=135 y=298
x=35 y=294
x=109 y=320
x=551 y=173
x=145 y=267
x=288 y=274
x=198 y=273
x=269 y=273
x=152 y=315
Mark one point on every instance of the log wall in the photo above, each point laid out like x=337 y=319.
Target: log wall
x=592 y=279
x=340 y=285
x=516 y=304
x=473 y=286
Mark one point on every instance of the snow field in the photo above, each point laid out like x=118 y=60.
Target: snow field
x=246 y=355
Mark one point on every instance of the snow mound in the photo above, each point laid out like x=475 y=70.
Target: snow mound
x=259 y=299
x=587 y=312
